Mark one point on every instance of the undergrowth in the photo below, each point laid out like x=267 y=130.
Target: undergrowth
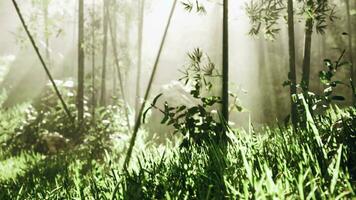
x=317 y=162
x=45 y=156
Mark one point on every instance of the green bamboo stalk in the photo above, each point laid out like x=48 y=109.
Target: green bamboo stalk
x=118 y=69
x=18 y=11
x=147 y=93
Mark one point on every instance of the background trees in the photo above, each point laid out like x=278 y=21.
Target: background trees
x=211 y=157
x=127 y=27
x=273 y=17
x=265 y=16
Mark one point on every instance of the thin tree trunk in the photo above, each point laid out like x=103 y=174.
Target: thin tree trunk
x=225 y=70
x=93 y=62
x=105 y=41
x=139 y=56
x=264 y=80
x=118 y=70
x=114 y=82
x=127 y=38
x=80 y=92
x=114 y=35
x=292 y=71
x=307 y=54
x=45 y=12
x=350 y=37
x=147 y=93
x=64 y=105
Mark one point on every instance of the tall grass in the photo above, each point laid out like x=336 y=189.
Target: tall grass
x=315 y=162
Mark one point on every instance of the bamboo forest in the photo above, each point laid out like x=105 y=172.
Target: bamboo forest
x=177 y=99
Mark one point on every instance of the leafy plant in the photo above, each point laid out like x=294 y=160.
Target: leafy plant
x=275 y=163
x=47 y=129
x=319 y=103
x=198 y=123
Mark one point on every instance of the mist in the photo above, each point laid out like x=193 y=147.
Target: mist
x=123 y=77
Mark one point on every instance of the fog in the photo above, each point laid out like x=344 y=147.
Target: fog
x=257 y=66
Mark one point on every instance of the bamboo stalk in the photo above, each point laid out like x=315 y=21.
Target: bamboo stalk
x=351 y=56
x=104 y=52
x=139 y=56
x=225 y=60
x=292 y=70
x=147 y=93
x=81 y=62
x=93 y=62
x=118 y=69
x=41 y=60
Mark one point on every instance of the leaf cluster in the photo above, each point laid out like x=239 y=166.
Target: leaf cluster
x=200 y=122
x=264 y=16
x=190 y=6
x=318 y=103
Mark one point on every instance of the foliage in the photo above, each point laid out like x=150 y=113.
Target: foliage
x=319 y=103
x=46 y=128
x=200 y=122
x=35 y=16
x=45 y=118
x=320 y=11
x=10 y=118
x=265 y=15
x=276 y=163
x=197 y=6
x=46 y=156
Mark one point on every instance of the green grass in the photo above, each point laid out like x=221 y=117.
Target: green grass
x=15 y=166
x=10 y=118
x=315 y=162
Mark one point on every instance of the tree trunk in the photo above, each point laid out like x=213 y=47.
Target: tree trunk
x=45 y=13
x=307 y=54
x=225 y=61
x=116 y=59
x=139 y=56
x=127 y=38
x=113 y=24
x=292 y=71
x=80 y=92
x=93 y=62
x=105 y=41
x=350 y=37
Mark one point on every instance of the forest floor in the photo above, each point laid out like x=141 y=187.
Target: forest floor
x=314 y=162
